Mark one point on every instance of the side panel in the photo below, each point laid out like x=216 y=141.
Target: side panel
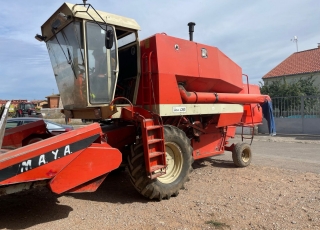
x=42 y=160
x=93 y=162
x=175 y=60
x=226 y=76
x=172 y=60
x=41 y=166
x=209 y=144
x=252 y=113
x=119 y=137
x=77 y=161
x=35 y=169
x=229 y=119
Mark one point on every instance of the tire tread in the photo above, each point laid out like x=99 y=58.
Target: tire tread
x=153 y=189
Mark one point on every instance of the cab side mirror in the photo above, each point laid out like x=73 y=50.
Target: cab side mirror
x=109 y=39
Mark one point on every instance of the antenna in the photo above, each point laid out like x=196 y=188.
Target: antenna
x=295 y=39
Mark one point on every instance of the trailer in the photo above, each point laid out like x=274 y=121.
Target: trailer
x=159 y=104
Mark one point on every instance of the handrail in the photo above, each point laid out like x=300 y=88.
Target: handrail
x=252 y=134
x=122 y=98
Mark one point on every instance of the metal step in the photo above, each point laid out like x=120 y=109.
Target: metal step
x=155 y=154
x=157 y=167
x=154 y=127
x=152 y=141
x=155 y=175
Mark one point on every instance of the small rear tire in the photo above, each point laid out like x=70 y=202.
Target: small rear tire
x=242 y=155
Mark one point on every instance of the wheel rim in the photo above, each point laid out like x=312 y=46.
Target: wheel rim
x=245 y=155
x=174 y=161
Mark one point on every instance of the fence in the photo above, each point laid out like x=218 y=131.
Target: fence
x=296 y=107
x=295 y=115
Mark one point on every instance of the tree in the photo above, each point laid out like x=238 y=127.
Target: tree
x=288 y=96
x=280 y=88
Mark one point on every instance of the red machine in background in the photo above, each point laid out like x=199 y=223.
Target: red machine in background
x=25 y=135
x=27 y=109
x=162 y=103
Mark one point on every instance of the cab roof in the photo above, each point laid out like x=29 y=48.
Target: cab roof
x=73 y=11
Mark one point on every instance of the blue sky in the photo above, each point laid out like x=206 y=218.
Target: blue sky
x=254 y=34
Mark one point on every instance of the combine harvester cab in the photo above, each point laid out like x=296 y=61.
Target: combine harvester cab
x=76 y=161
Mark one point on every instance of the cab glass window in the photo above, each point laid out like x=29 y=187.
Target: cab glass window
x=101 y=63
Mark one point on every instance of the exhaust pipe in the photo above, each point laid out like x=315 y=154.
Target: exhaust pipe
x=191 y=30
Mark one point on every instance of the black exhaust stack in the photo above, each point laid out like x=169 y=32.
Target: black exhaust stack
x=191 y=30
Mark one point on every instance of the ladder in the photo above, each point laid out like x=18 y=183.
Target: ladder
x=153 y=144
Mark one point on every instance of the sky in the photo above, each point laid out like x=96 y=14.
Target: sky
x=254 y=34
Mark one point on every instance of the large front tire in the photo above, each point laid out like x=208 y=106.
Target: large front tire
x=179 y=161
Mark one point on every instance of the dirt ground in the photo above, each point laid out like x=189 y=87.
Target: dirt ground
x=218 y=196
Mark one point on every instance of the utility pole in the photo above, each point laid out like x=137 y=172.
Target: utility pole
x=295 y=39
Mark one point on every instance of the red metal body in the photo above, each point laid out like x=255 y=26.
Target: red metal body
x=175 y=72
x=74 y=161
x=175 y=60
x=22 y=135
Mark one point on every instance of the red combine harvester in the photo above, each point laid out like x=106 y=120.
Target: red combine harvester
x=162 y=103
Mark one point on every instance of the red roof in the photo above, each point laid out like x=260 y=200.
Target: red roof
x=307 y=61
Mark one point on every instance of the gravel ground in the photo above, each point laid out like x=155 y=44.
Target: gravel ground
x=218 y=196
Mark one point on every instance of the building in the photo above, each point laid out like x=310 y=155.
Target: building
x=40 y=103
x=13 y=102
x=298 y=65
x=54 y=101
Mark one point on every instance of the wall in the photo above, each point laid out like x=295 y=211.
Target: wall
x=54 y=102
x=293 y=126
x=246 y=130
x=51 y=113
x=291 y=78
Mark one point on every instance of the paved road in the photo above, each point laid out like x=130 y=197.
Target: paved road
x=284 y=152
